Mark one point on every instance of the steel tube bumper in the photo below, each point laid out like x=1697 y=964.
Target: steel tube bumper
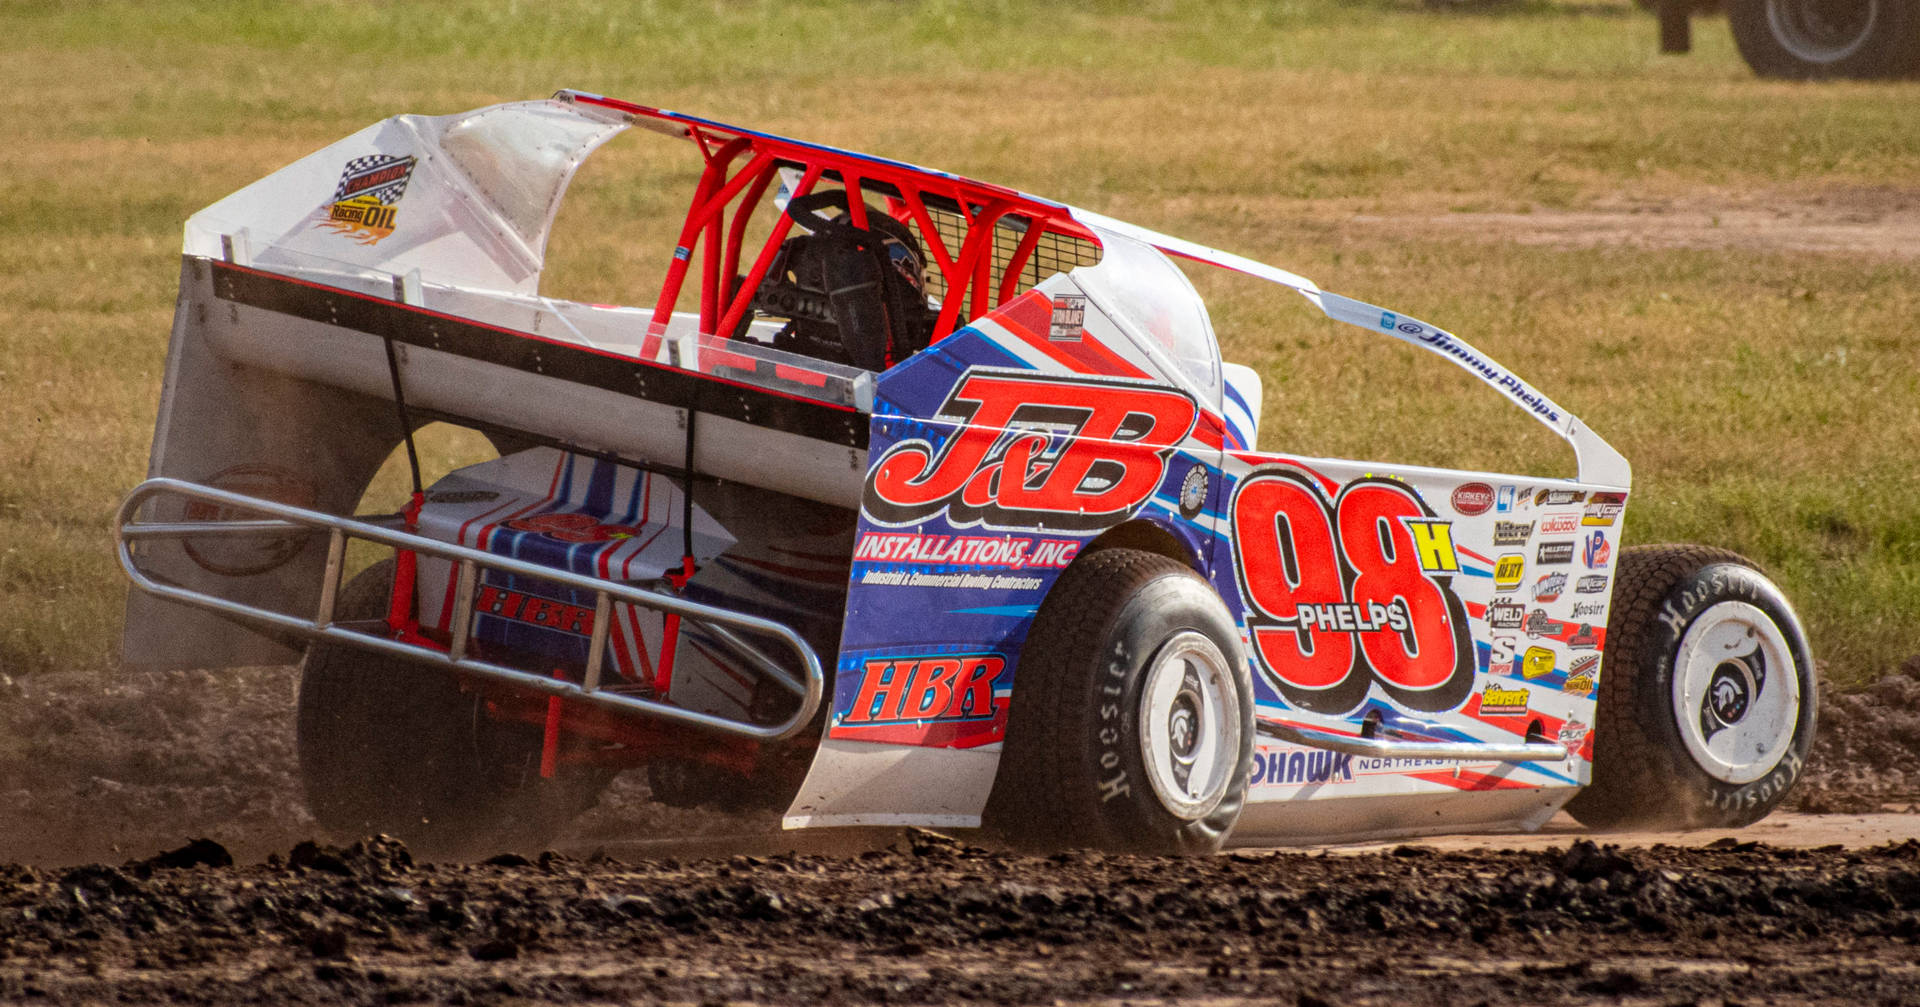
x=283 y=519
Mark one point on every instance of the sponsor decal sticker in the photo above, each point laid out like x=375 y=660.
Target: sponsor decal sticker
x=953 y=692
x=1472 y=499
x=1554 y=554
x=1582 y=675
x=1500 y=702
x=1593 y=584
x=1503 y=500
x=574 y=527
x=534 y=610
x=1193 y=492
x=1009 y=551
x=1444 y=343
x=1587 y=609
x=1500 y=655
x=1537 y=662
x=1584 y=638
x=918 y=578
x=1295 y=766
x=1603 y=508
x=1549 y=586
x=365 y=205
x=1034 y=451
x=1505 y=613
x=1572 y=734
x=1509 y=571
x=1069 y=319
x=1512 y=532
x=1595 y=553
x=460 y=496
x=1538 y=625
x=246 y=556
x=1348 y=593
x=1558 y=498
x=1563 y=523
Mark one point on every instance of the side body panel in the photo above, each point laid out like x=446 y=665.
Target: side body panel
x=1442 y=606
x=249 y=429
x=996 y=457
x=1445 y=606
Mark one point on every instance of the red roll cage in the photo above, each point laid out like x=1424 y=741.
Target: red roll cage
x=716 y=221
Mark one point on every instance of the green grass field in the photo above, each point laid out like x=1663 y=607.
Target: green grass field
x=1769 y=399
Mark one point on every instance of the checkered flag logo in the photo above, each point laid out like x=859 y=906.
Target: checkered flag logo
x=382 y=176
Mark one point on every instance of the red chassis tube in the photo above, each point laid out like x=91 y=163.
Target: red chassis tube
x=575 y=733
x=718 y=240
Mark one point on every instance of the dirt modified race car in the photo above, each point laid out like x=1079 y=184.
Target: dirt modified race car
x=910 y=500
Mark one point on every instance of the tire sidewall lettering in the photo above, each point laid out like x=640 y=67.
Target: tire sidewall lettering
x=1685 y=602
x=1115 y=735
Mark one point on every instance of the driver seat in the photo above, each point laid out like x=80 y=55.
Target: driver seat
x=851 y=295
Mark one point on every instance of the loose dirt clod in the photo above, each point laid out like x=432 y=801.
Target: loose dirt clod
x=940 y=921
x=918 y=918
x=1867 y=755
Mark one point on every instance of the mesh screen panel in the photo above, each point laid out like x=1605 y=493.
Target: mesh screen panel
x=1053 y=253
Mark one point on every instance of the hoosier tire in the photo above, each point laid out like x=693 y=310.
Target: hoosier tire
x=388 y=746
x=1132 y=720
x=1707 y=703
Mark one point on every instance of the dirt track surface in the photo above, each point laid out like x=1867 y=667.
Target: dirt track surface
x=649 y=908
x=935 y=921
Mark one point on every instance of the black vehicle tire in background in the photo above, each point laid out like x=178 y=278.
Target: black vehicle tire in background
x=1818 y=39
x=1707 y=695
x=389 y=746
x=1132 y=720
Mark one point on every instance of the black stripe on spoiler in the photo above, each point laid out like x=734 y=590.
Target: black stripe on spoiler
x=525 y=351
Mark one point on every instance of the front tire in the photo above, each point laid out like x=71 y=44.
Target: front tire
x=1707 y=701
x=1816 y=39
x=1132 y=723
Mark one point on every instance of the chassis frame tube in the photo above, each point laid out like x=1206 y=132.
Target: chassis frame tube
x=285 y=518
x=1543 y=751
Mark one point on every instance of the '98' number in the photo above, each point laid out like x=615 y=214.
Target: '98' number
x=1344 y=593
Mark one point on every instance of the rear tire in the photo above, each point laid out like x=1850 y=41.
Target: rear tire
x=389 y=746
x=1815 y=39
x=1132 y=720
x=1707 y=701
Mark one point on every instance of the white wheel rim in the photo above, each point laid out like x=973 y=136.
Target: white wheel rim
x=1822 y=31
x=1736 y=692
x=1189 y=725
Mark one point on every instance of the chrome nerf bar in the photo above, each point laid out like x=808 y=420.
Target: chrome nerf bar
x=1394 y=748
x=282 y=518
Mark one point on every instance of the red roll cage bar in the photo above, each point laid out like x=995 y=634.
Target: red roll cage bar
x=907 y=189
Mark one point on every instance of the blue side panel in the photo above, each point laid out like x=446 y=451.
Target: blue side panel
x=941 y=598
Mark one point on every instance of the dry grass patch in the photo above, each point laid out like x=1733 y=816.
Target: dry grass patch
x=1766 y=397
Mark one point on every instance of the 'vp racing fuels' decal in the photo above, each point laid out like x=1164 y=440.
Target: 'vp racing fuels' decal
x=1034 y=451
x=1341 y=594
